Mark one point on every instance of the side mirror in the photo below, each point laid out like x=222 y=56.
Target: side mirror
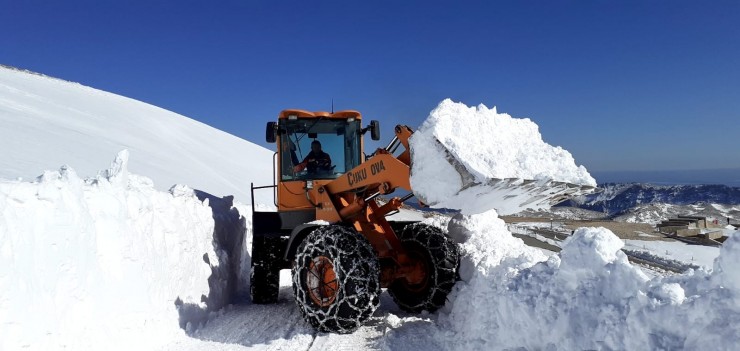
x=375 y=130
x=271 y=132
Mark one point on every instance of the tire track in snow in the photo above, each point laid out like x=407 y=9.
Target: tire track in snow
x=277 y=326
x=280 y=326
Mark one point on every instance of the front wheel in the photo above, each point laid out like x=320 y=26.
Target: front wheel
x=440 y=258
x=336 y=279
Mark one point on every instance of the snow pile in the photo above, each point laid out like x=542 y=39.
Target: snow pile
x=587 y=297
x=105 y=262
x=459 y=150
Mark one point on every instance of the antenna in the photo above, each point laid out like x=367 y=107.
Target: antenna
x=332 y=105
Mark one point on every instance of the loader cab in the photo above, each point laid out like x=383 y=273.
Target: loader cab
x=301 y=141
x=340 y=137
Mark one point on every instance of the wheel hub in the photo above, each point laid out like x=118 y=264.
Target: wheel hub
x=417 y=279
x=321 y=281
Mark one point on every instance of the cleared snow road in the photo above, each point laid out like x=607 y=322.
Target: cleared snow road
x=281 y=327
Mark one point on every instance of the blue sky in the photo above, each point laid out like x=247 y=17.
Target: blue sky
x=623 y=85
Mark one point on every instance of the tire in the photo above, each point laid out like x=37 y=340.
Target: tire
x=441 y=259
x=265 y=273
x=336 y=279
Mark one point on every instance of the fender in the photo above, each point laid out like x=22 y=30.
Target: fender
x=296 y=237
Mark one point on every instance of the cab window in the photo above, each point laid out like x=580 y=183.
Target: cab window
x=318 y=148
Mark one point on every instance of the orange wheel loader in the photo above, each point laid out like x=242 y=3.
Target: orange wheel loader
x=332 y=233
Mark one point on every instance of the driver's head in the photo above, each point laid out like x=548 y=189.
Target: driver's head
x=315 y=146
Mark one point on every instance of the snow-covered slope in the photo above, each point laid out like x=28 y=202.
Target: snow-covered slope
x=46 y=123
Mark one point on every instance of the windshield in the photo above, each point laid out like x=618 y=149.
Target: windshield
x=318 y=148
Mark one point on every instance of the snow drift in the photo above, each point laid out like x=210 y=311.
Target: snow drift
x=109 y=260
x=587 y=297
x=475 y=159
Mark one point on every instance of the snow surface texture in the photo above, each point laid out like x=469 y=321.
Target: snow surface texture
x=587 y=297
x=461 y=155
x=107 y=260
x=47 y=122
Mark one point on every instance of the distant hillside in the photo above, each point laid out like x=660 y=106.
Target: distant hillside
x=617 y=198
x=657 y=212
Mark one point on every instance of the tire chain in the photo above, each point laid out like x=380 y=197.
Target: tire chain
x=357 y=269
x=445 y=257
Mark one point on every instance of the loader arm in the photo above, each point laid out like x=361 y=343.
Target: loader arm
x=381 y=168
x=381 y=174
x=352 y=197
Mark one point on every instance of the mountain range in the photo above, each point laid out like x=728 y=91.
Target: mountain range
x=617 y=199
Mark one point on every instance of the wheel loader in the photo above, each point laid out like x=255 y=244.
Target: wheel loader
x=331 y=230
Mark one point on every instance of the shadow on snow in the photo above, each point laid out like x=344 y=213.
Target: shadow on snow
x=229 y=245
x=230 y=317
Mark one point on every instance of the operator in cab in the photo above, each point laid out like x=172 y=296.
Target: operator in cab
x=316 y=161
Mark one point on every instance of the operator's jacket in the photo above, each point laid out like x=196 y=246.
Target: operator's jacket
x=317 y=161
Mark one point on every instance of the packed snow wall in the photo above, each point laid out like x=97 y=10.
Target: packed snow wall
x=109 y=260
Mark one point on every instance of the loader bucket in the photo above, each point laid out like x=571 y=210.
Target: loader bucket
x=471 y=193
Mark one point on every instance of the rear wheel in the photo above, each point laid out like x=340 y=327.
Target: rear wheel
x=265 y=273
x=439 y=258
x=336 y=279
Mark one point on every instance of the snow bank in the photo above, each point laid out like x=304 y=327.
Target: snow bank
x=587 y=297
x=459 y=150
x=106 y=262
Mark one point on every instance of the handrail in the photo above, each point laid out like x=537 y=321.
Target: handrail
x=274 y=178
x=252 y=187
